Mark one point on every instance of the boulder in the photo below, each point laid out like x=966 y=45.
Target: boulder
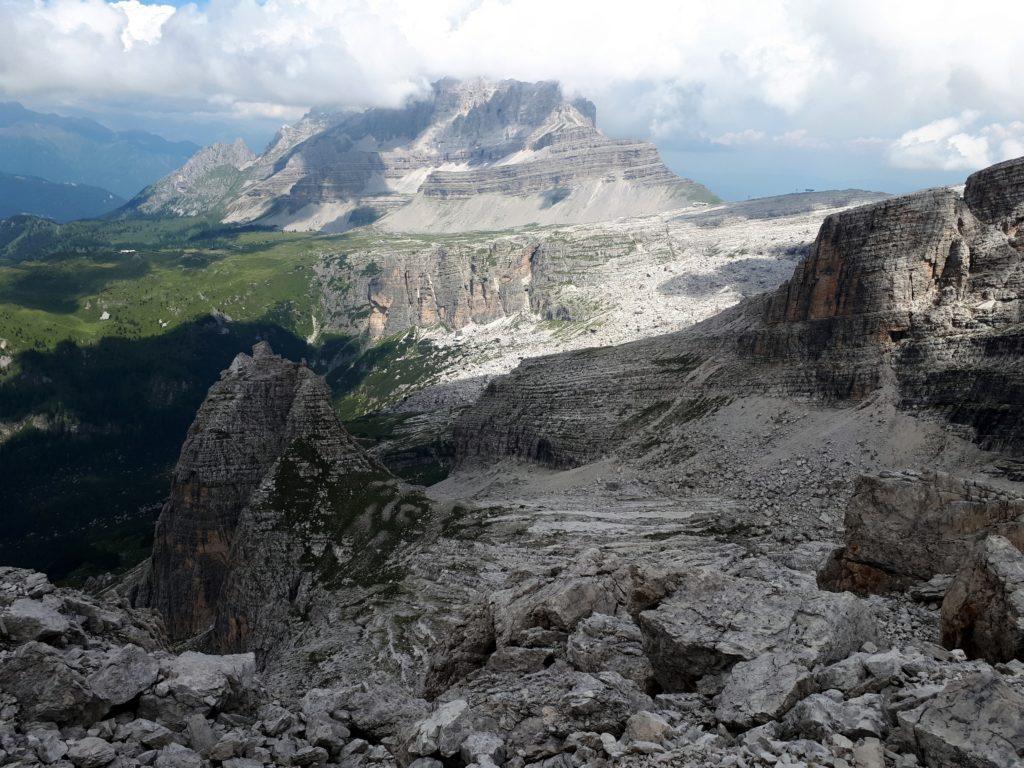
x=603 y=642
x=763 y=689
x=201 y=680
x=324 y=731
x=177 y=756
x=26 y=619
x=128 y=672
x=146 y=732
x=648 y=727
x=977 y=721
x=595 y=583
x=713 y=621
x=48 y=746
x=906 y=528
x=822 y=715
x=47 y=688
x=428 y=734
x=309 y=756
x=90 y=752
x=983 y=611
x=481 y=746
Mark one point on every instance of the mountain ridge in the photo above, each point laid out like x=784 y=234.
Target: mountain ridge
x=474 y=155
x=82 y=151
x=62 y=202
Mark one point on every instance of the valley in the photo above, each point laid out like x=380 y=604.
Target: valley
x=461 y=435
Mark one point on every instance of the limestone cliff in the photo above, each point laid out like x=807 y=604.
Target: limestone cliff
x=918 y=296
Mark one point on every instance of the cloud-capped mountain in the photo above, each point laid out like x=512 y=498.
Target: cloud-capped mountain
x=472 y=155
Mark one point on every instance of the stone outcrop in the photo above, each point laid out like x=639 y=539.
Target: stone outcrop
x=974 y=721
x=917 y=298
x=983 y=611
x=712 y=622
x=470 y=155
x=266 y=432
x=905 y=528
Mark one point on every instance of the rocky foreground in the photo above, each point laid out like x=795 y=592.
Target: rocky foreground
x=788 y=536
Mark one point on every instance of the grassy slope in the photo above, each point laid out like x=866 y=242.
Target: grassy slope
x=79 y=497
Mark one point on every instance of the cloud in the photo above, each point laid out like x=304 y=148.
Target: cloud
x=143 y=22
x=955 y=143
x=741 y=138
x=798 y=72
x=798 y=138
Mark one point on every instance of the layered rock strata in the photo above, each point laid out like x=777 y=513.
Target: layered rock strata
x=915 y=298
x=470 y=155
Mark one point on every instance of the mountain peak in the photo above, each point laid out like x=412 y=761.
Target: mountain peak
x=522 y=151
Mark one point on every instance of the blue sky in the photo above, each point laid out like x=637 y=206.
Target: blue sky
x=751 y=98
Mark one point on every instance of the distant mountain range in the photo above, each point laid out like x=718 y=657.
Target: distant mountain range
x=473 y=155
x=61 y=202
x=81 y=151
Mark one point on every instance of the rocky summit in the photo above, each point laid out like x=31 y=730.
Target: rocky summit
x=787 y=535
x=472 y=155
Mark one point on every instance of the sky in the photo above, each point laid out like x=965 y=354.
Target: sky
x=751 y=98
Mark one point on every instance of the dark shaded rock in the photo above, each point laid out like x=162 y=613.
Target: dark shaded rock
x=983 y=611
x=47 y=688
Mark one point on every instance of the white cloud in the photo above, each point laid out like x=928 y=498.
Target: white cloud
x=955 y=143
x=144 y=22
x=796 y=72
x=798 y=137
x=741 y=138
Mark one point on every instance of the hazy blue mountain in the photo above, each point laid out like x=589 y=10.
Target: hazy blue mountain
x=81 y=151
x=58 y=201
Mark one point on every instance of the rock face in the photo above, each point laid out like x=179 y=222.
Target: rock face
x=903 y=528
x=973 y=722
x=470 y=156
x=983 y=612
x=916 y=297
x=200 y=185
x=263 y=425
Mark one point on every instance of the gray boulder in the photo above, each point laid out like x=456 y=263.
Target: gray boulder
x=90 y=752
x=201 y=680
x=26 y=619
x=128 y=672
x=974 y=722
x=595 y=583
x=763 y=689
x=177 y=756
x=48 y=746
x=146 y=732
x=604 y=642
x=46 y=687
x=713 y=621
x=647 y=727
x=324 y=731
x=822 y=715
x=983 y=611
